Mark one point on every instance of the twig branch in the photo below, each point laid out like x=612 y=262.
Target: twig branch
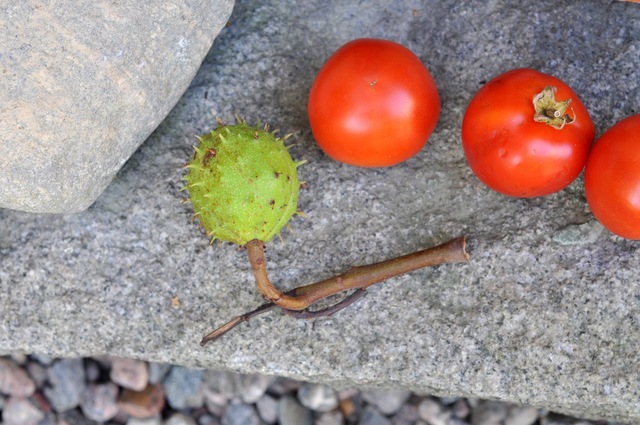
x=212 y=336
x=356 y=278
x=359 y=278
x=329 y=311
x=298 y=314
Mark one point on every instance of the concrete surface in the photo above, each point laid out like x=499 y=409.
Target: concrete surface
x=546 y=312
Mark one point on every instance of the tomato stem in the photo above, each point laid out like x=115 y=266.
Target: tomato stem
x=551 y=111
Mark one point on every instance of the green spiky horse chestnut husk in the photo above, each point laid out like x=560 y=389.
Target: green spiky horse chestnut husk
x=243 y=183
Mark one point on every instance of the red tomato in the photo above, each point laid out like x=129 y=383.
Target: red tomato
x=612 y=178
x=522 y=150
x=373 y=104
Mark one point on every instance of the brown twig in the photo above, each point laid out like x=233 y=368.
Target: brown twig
x=329 y=311
x=356 y=278
x=264 y=308
x=255 y=250
x=359 y=278
x=217 y=333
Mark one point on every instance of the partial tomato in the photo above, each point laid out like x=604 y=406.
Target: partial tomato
x=612 y=178
x=526 y=134
x=373 y=104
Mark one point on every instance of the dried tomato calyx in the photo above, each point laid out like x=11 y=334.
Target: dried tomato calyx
x=551 y=111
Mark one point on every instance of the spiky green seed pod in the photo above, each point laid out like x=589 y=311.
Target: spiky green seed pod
x=243 y=183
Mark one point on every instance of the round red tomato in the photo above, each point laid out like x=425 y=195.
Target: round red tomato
x=612 y=178
x=526 y=134
x=373 y=104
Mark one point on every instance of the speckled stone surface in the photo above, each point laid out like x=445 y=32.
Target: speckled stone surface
x=83 y=84
x=546 y=312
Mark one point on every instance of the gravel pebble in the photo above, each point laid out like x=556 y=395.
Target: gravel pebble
x=207 y=419
x=370 y=416
x=155 y=420
x=214 y=402
x=143 y=404
x=268 y=408
x=556 y=419
x=180 y=419
x=92 y=370
x=67 y=384
x=460 y=409
x=283 y=386
x=37 y=372
x=449 y=400
x=84 y=392
x=43 y=359
x=184 y=387
x=240 y=414
x=157 y=372
x=129 y=373
x=248 y=388
x=330 y=418
x=521 y=415
x=100 y=402
x=20 y=411
x=387 y=402
x=252 y=387
x=222 y=382
x=407 y=415
x=351 y=405
x=489 y=412
x=73 y=417
x=291 y=412
x=319 y=398
x=432 y=412
x=14 y=380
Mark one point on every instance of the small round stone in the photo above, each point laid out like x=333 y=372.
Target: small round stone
x=179 y=418
x=14 y=380
x=489 y=412
x=155 y=420
x=20 y=411
x=253 y=387
x=521 y=415
x=100 y=402
x=130 y=373
x=387 y=402
x=67 y=384
x=268 y=408
x=240 y=414
x=319 y=398
x=330 y=418
x=370 y=416
x=157 y=372
x=432 y=412
x=407 y=415
x=184 y=388
x=291 y=412
x=143 y=404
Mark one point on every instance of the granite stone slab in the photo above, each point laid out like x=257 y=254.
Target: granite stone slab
x=83 y=84
x=546 y=313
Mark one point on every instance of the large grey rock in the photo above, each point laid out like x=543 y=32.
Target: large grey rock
x=83 y=84
x=532 y=319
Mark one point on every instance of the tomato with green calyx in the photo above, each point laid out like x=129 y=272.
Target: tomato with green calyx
x=526 y=134
x=612 y=178
x=373 y=104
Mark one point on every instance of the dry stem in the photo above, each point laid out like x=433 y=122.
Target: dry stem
x=358 y=278
x=298 y=314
